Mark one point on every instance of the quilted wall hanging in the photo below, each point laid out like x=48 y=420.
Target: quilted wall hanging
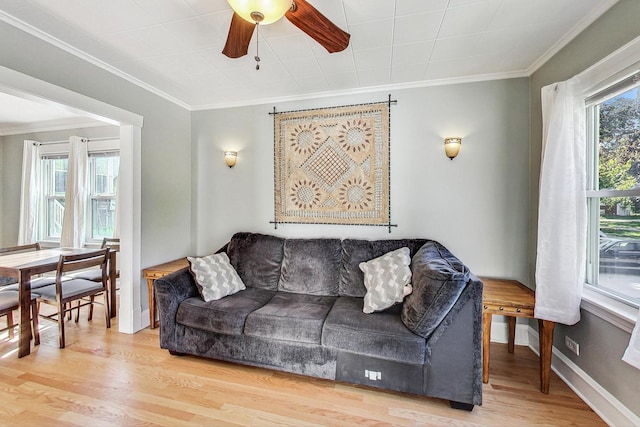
x=332 y=165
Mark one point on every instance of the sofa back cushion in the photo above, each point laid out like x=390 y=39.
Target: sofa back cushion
x=257 y=259
x=356 y=251
x=311 y=266
x=438 y=280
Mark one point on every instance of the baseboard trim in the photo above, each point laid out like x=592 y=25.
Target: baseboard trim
x=603 y=403
x=500 y=331
x=145 y=322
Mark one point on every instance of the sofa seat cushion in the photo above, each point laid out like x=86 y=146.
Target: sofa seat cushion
x=381 y=335
x=290 y=317
x=226 y=315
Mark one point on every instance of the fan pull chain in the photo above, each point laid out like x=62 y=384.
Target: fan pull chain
x=257 y=57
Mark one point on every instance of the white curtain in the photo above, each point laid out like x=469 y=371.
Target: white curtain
x=632 y=354
x=29 y=193
x=562 y=213
x=73 y=223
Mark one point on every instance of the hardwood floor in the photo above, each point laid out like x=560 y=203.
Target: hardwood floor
x=107 y=378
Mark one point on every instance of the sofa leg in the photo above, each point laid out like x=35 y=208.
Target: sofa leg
x=176 y=353
x=461 y=405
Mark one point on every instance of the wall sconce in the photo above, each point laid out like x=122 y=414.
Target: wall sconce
x=452 y=147
x=230 y=158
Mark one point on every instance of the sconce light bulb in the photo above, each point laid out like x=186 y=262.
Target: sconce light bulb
x=452 y=147
x=230 y=158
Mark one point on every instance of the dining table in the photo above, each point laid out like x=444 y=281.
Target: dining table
x=23 y=266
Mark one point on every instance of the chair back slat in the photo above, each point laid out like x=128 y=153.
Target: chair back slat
x=21 y=248
x=82 y=261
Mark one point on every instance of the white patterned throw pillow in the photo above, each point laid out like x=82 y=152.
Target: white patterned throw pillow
x=215 y=276
x=387 y=279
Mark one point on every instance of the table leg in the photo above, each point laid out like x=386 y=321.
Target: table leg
x=152 y=305
x=511 y=339
x=24 y=337
x=545 y=329
x=486 y=342
x=112 y=283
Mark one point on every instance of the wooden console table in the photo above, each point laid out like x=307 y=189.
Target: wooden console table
x=155 y=272
x=512 y=299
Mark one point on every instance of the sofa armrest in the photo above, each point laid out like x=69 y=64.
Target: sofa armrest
x=453 y=365
x=170 y=291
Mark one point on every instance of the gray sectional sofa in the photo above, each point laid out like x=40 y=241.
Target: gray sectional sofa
x=302 y=312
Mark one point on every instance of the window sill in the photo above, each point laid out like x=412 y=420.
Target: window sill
x=617 y=313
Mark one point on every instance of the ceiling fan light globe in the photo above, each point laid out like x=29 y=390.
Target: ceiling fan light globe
x=271 y=10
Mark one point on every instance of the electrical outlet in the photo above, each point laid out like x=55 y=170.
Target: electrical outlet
x=572 y=345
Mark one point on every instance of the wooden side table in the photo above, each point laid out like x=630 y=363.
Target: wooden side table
x=155 y=272
x=512 y=299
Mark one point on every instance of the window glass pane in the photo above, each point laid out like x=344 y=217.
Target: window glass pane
x=103 y=214
x=60 y=167
x=619 y=143
x=104 y=173
x=619 y=247
x=54 y=215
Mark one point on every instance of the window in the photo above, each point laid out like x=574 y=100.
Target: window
x=613 y=191
x=103 y=176
x=104 y=164
x=54 y=183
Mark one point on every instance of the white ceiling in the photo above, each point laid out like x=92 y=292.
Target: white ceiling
x=173 y=46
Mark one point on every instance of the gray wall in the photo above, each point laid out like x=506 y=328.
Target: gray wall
x=603 y=343
x=11 y=173
x=476 y=205
x=166 y=138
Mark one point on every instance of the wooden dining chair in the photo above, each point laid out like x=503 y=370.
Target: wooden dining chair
x=94 y=274
x=63 y=293
x=113 y=243
x=9 y=302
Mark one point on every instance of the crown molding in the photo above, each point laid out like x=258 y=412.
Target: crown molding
x=48 y=38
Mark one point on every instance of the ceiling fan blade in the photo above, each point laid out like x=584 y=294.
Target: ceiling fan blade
x=240 y=33
x=318 y=26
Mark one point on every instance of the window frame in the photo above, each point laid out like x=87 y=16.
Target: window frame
x=602 y=75
x=593 y=193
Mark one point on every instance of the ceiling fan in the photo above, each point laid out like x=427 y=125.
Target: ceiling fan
x=249 y=14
